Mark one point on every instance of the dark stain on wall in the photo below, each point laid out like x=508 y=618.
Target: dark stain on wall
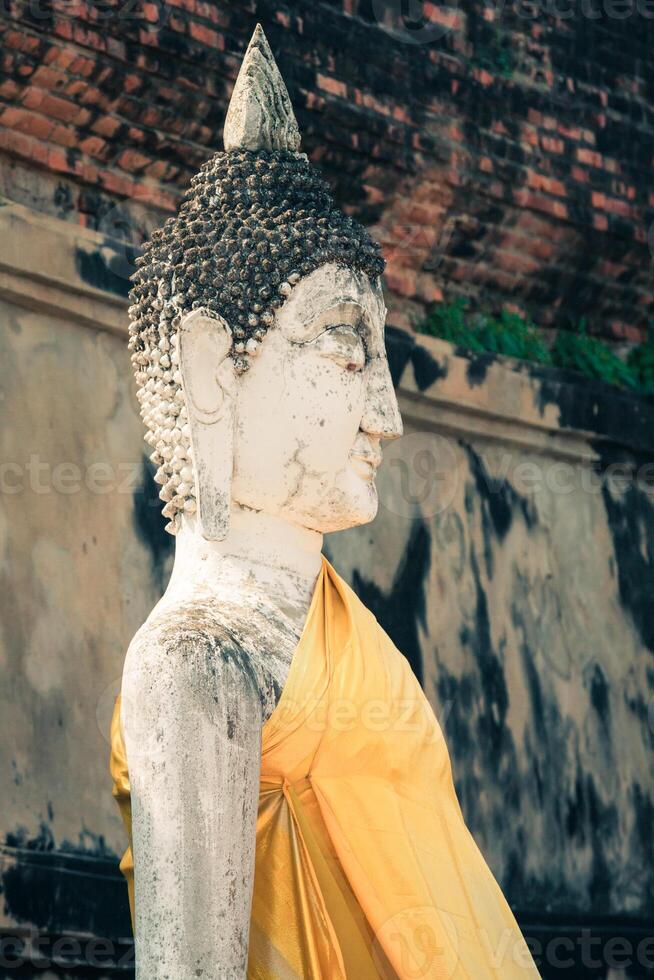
x=478 y=365
x=426 y=368
x=536 y=697
x=401 y=348
x=600 y=698
x=403 y=610
x=498 y=501
x=603 y=826
x=150 y=523
x=644 y=838
x=69 y=888
x=630 y=514
x=493 y=737
x=98 y=270
x=613 y=416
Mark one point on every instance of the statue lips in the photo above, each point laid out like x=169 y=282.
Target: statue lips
x=365 y=464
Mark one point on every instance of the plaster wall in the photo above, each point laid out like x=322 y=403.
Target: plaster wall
x=510 y=561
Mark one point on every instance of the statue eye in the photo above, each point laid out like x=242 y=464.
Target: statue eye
x=344 y=345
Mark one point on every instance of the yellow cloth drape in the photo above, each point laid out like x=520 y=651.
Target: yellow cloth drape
x=364 y=866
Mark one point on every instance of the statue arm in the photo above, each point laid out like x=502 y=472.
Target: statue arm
x=192 y=720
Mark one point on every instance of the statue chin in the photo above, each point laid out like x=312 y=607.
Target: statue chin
x=352 y=502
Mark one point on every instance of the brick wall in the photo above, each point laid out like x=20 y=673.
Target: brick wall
x=502 y=150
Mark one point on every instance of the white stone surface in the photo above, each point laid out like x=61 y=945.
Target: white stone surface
x=304 y=428
x=260 y=115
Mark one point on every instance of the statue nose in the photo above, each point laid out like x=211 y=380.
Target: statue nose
x=381 y=414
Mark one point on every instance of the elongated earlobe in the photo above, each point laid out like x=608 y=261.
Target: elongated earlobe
x=208 y=383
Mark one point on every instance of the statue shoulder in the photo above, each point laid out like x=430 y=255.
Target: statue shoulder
x=200 y=647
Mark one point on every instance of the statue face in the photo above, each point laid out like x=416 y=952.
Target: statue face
x=313 y=409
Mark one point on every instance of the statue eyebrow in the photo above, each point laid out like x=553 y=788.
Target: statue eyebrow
x=312 y=322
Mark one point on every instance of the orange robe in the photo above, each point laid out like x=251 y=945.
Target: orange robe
x=364 y=866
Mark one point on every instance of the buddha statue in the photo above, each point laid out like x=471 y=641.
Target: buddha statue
x=284 y=783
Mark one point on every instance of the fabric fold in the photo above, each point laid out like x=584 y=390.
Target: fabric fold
x=364 y=866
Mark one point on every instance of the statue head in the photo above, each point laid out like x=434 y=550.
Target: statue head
x=257 y=333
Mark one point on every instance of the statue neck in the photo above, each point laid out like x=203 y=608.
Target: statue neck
x=260 y=553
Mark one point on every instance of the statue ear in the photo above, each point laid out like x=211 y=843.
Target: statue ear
x=208 y=378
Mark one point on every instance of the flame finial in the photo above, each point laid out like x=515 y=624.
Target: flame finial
x=260 y=114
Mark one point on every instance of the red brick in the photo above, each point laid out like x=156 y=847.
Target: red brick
x=332 y=85
x=61 y=57
x=32 y=98
x=92 y=96
x=92 y=145
x=38 y=126
x=615 y=206
x=82 y=66
x=209 y=11
x=151 y=12
x=49 y=78
x=65 y=136
x=106 y=126
x=484 y=77
x=552 y=145
x=157 y=169
x=132 y=160
x=131 y=83
x=87 y=172
x=400 y=281
x=87 y=38
x=451 y=19
x=205 y=35
x=544 y=183
x=589 y=157
x=57 y=108
x=57 y=160
x=63 y=28
x=9 y=89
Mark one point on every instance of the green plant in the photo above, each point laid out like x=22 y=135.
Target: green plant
x=496 y=54
x=515 y=336
x=577 y=350
x=641 y=362
x=508 y=334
